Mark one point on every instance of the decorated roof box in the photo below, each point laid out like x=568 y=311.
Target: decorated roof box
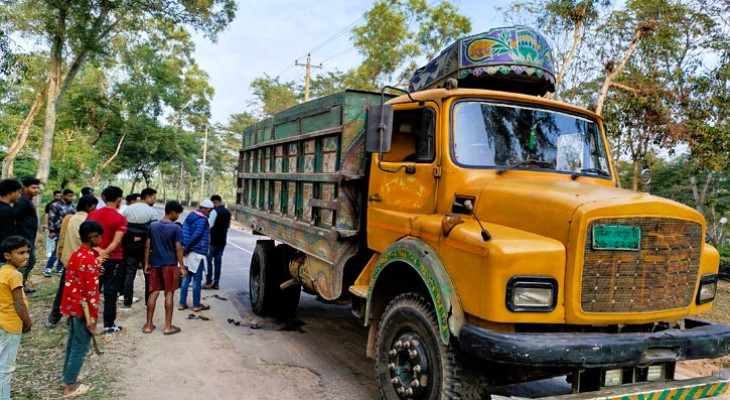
x=513 y=59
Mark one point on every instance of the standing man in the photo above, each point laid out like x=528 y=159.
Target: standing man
x=163 y=257
x=26 y=220
x=196 y=239
x=87 y=191
x=69 y=241
x=130 y=200
x=139 y=217
x=218 y=240
x=49 y=241
x=115 y=226
x=9 y=194
x=58 y=211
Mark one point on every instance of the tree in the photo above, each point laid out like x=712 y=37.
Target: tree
x=273 y=96
x=77 y=32
x=390 y=40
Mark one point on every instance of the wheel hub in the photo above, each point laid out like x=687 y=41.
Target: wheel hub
x=409 y=367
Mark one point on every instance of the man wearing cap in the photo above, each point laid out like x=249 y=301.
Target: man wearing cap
x=196 y=240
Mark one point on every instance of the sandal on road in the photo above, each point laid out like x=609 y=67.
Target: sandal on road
x=81 y=389
x=182 y=307
x=145 y=331
x=202 y=307
x=174 y=330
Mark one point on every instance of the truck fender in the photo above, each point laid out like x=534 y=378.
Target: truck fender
x=432 y=271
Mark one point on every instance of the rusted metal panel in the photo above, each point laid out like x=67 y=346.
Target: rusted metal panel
x=661 y=275
x=302 y=182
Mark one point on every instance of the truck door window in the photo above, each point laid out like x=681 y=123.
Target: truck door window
x=413 y=136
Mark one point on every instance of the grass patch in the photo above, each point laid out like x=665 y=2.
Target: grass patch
x=40 y=359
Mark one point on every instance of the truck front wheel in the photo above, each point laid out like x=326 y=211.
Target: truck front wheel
x=411 y=361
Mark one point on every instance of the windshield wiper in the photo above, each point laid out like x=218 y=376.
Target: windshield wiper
x=598 y=171
x=539 y=163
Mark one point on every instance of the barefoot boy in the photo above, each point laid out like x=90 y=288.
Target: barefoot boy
x=14 y=317
x=81 y=288
x=163 y=258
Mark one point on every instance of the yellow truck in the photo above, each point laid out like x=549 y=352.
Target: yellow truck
x=478 y=230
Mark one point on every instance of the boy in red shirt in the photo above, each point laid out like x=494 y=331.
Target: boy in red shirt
x=115 y=226
x=81 y=287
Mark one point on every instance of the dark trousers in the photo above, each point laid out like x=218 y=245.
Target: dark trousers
x=31 y=262
x=132 y=262
x=111 y=280
x=76 y=347
x=215 y=260
x=55 y=314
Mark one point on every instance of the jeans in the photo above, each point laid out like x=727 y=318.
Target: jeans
x=52 y=260
x=197 y=279
x=9 y=344
x=55 y=314
x=132 y=263
x=76 y=347
x=215 y=255
x=31 y=263
x=111 y=280
x=49 y=245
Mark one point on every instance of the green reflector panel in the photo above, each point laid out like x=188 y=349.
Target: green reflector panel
x=616 y=237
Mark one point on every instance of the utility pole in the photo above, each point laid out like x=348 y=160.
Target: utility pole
x=202 y=168
x=308 y=66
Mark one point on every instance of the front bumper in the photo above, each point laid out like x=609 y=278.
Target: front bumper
x=699 y=339
x=690 y=389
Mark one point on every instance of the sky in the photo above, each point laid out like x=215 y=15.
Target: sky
x=267 y=36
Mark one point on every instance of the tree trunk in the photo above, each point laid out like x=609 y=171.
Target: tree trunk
x=566 y=62
x=617 y=70
x=635 y=176
x=134 y=182
x=97 y=175
x=23 y=132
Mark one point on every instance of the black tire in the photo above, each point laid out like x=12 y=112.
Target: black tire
x=410 y=318
x=269 y=269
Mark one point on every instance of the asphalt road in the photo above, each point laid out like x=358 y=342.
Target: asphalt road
x=325 y=339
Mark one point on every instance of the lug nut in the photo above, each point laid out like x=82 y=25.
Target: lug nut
x=415 y=383
x=393 y=353
x=417 y=369
x=391 y=367
x=395 y=381
x=398 y=345
x=414 y=343
x=400 y=390
x=409 y=392
x=406 y=345
x=412 y=353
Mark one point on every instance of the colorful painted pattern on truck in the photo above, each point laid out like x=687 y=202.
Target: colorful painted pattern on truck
x=518 y=57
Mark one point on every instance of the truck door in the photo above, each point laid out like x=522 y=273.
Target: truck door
x=404 y=185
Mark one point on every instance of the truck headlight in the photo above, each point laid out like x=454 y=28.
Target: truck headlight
x=532 y=294
x=708 y=287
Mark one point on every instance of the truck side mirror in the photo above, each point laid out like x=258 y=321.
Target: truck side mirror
x=380 y=129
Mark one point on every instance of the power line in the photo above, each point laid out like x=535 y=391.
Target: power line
x=338 y=55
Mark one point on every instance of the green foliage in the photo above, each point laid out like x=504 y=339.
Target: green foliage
x=273 y=96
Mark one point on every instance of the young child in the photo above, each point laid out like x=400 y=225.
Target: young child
x=81 y=288
x=14 y=317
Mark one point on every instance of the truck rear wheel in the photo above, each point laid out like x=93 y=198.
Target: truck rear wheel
x=268 y=271
x=411 y=361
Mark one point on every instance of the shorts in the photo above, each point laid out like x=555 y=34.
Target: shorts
x=164 y=279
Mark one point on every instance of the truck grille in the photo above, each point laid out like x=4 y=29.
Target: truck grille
x=661 y=275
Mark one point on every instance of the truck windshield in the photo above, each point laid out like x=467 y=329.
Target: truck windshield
x=511 y=136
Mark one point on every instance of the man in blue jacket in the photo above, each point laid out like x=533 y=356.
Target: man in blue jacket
x=196 y=240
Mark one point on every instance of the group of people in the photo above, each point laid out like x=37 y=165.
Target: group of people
x=97 y=250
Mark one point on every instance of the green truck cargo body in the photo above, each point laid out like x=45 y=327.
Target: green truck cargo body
x=301 y=181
